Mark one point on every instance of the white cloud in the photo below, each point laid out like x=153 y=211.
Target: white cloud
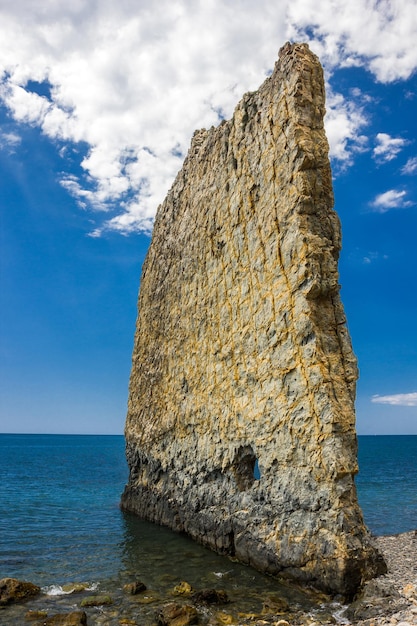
x=344 y=121
x=410 y=167
x=378 y=35
x=387 y=148
x=9 y=140
x=134 y=80
x=399 y=399
x=392 y=199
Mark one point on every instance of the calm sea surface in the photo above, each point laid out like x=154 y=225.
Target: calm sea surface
x=60 y=520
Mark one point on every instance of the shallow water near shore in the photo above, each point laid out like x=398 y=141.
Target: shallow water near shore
x=60 y=522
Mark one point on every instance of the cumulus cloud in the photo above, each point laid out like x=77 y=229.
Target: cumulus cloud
x=399 y=399
x=132 y=81
x=337 y=33
x=391 y=199
x=345 y=119
x=387 y=148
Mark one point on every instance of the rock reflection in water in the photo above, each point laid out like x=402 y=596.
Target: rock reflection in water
x=162 y=559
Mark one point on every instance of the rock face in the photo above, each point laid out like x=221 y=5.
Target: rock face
x=242 y=358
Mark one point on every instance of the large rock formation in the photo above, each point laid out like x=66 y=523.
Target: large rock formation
x=242 y=356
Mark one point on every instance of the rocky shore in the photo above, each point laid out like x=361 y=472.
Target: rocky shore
x=390 y=600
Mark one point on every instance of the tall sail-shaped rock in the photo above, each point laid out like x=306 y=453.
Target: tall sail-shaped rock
x=242 y=358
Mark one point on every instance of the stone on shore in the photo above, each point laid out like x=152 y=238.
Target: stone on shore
x=75 y=587
x=379 y=597
x=182 y=589
x=211 y=596
x=174 y=614
x=134 y=588
x=275 y=605
x=75 y=618
x=13 y=590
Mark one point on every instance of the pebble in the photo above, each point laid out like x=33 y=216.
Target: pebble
x=390 y=600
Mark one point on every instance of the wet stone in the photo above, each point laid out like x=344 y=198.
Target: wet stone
x=275 y=605
x=183 y=589
x=75 y=618
x=225 y=618
x=75 y=587
x=35 y=615
x=96 y=600
x=174 y=614
x=211 y=596
x=134 y=588
x=13 y=590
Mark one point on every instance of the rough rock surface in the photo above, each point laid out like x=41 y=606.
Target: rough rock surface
x=13 y=590
x=242 y=356
x=174 y=614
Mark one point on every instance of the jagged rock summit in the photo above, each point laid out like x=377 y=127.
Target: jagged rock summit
x=242 y=358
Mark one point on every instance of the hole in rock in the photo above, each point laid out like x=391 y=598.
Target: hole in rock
x=256 y=470
x=245 y=468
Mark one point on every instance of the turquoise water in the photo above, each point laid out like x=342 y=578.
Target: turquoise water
x=59 y=498
x=60 y=519
x=387 y=482
x=60 y=522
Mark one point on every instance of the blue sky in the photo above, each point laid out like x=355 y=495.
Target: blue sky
x=98 y=103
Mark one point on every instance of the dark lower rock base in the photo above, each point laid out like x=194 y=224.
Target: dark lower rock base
x=233 y=535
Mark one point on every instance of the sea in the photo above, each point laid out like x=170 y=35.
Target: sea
x=60 y=523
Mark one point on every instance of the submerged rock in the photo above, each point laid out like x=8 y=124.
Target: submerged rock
x=36 y=615
x=182 y=589
x=174 y=614
x=275 y=605
x=75 y=618
x=241 y=426
x=134 y=588
x=225 y=618
x=211 y=596
x=99 y=600
x=13 y=590
x=75 y=587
